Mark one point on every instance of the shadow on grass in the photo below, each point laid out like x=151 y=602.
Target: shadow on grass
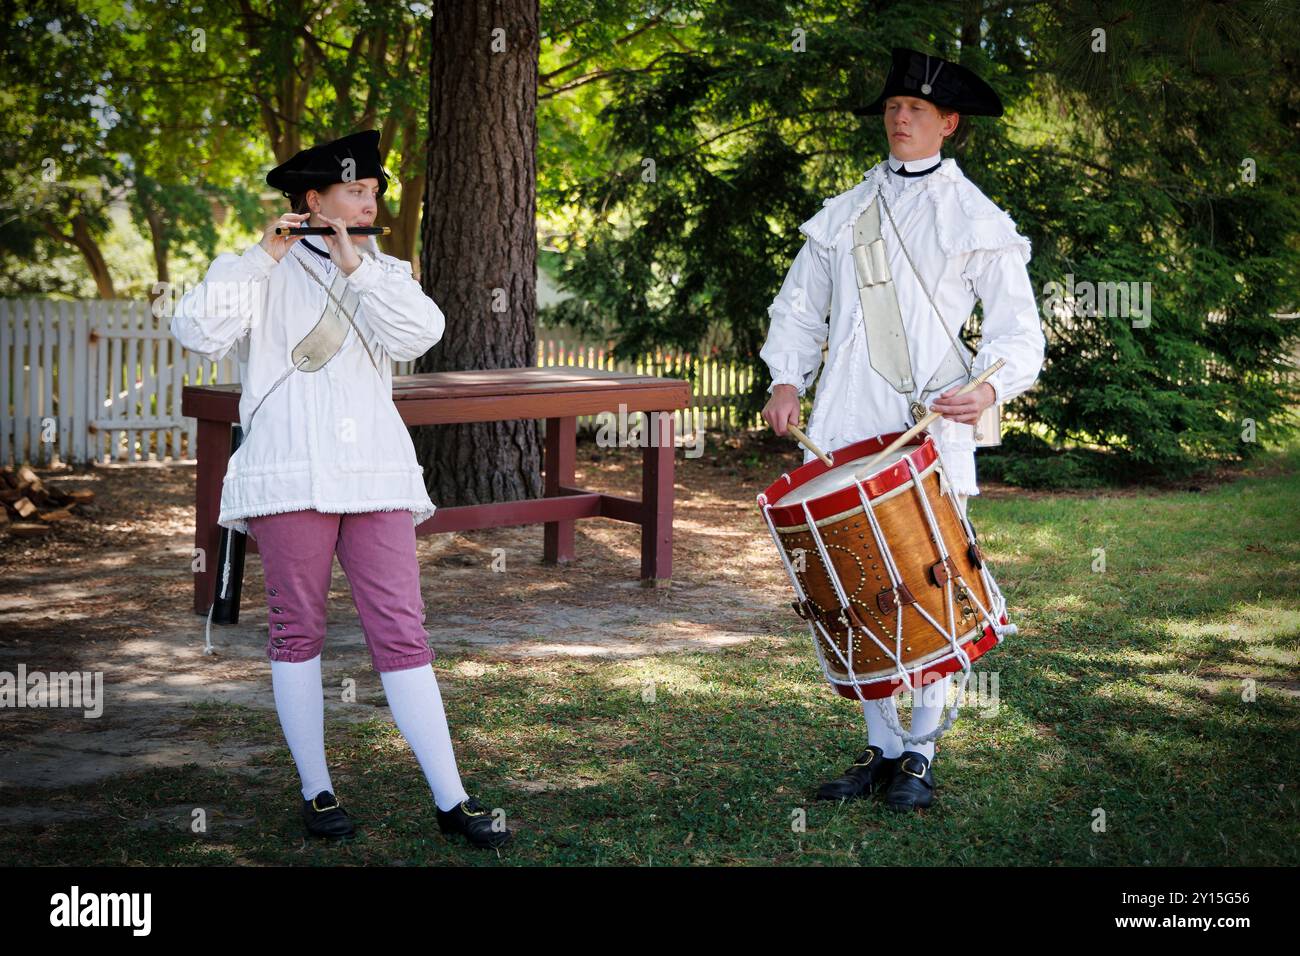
x=1125 y=731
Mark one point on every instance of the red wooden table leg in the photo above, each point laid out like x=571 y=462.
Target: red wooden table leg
x=657 y=500
x=561 y=450
x=213 y=452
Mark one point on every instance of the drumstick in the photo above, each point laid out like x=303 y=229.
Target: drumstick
x=807 y=443
x=907 y=436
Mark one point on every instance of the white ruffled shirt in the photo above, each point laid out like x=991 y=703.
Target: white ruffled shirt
x=965 y=247
x=331 y=440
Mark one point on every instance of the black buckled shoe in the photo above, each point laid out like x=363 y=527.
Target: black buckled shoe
x=913 y=785
x=869 y=773
x=324 y=817
x=476 y=824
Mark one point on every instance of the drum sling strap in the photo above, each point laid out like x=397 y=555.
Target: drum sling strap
x=886 y=341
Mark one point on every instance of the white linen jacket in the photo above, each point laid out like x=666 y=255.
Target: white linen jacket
x=331 y=440
x=965 y=248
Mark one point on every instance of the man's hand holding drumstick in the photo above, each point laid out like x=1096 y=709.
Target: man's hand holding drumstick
x=960 y=404
x=964 y=408
x=782 y=408
x=782 y=413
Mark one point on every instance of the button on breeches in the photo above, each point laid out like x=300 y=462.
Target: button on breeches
x=377 y=552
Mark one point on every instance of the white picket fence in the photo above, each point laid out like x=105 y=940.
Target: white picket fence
x=100 y=380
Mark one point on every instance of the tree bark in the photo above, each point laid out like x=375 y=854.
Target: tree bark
x=971 y=14
x=479 y=233
x=157 y=235
x=85 y=243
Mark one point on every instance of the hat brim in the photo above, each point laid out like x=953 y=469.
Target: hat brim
x=955 y=87
x=877 y=107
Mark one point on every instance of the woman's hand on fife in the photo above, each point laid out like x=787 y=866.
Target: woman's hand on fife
x=342 y=252
x=277 y=246
x=782 y=408
x=965 y=408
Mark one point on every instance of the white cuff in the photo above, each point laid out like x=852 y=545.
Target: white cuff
x=259 y=260
x=797 y=382
x=365 y=277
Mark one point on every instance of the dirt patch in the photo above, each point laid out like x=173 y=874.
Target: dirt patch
x=110 y=592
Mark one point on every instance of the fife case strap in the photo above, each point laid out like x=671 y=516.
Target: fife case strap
x=327 y=336
x=325 y=339
x=956 y=366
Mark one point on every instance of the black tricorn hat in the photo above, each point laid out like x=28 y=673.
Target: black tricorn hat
x=942 y=82
x=324 y=165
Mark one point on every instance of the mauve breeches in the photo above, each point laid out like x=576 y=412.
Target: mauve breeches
x=377 y=552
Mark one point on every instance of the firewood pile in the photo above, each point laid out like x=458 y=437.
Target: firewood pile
x=32 y=508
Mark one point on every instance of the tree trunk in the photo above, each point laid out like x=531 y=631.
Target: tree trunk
x=157 y=235
x=479 y=235
x=85 y=243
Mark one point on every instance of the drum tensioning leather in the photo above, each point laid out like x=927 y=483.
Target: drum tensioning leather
x=887 y=572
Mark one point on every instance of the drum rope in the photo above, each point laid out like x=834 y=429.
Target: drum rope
x=910 y=679
x=833 y=576
x=813 y=625
x=895 y=578
x=816 y=625
x=996 y=599
x=950 y=714
x=780 y=549
x=888 y=706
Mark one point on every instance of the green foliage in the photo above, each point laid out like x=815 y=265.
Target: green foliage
x=1123 y=166
x=137 y=130
x=1026 y=460
x=680 y=146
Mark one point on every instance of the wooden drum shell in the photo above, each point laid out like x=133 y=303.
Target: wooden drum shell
x=855 y=556
x=856 y=559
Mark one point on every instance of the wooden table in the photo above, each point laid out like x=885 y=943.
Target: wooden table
x=558 y=394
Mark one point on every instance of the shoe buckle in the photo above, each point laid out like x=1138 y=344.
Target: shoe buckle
x=868 y=760
x=322 y=809
x=464 y=808
x=903 y=766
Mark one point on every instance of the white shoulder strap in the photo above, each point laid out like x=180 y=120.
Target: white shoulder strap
x=886 y=343
x=955 y=368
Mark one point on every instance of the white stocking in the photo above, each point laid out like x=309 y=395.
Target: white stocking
x=416 y=703
x=878 y=732
x=300 y=703
x=928 y=704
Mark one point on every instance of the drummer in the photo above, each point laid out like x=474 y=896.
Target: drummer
x=965 y=248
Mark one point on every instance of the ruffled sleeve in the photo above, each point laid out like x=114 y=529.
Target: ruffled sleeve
x=396 y=314
x=215 y=314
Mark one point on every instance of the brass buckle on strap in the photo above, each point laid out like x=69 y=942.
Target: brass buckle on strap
x=903 y=767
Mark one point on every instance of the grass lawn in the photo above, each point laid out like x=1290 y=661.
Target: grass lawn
x=1126 y=691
